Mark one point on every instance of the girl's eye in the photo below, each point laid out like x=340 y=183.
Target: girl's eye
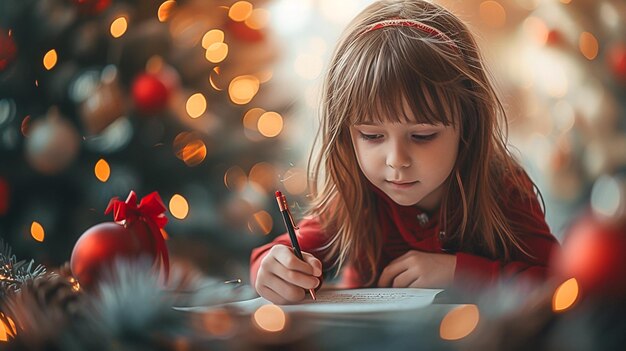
x=427 y=137
x=371 y=137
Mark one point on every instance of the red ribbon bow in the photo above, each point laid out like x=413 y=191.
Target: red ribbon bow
x=151 y=211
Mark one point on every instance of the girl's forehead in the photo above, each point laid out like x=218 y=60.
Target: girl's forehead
x=397 y=110
x=402 y=124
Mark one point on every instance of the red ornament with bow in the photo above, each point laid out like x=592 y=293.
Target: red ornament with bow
x=135 y=233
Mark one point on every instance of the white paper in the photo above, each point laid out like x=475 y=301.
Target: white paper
x=343 y=301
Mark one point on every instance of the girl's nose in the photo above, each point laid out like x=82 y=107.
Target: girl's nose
x=398 y=157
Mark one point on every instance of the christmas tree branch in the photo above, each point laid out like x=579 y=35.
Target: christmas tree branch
x=14 y=274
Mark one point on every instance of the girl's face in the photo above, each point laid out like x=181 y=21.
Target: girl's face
x=408 y=162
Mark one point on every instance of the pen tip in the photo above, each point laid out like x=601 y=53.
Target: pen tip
x=278 y=193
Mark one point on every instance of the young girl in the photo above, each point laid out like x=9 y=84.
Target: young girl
x=413 y=185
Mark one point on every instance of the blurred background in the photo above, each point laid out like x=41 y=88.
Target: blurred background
x=213 y=104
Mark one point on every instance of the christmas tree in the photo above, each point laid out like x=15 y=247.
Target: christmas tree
x=101 y=97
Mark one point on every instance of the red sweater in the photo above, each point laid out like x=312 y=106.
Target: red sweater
x=402 y=231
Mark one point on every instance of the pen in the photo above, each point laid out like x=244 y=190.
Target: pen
x=291 y=228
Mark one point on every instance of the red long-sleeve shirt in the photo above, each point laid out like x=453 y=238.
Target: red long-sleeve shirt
x=402 y=231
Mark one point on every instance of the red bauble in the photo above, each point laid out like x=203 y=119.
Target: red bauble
x=98 y=248
x=241 y=31
x=594 y=252
x=8 y=50
x=92 y=7
x=149 y=93
x=616 y=58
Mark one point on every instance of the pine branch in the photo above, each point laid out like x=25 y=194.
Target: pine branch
x=14 y=274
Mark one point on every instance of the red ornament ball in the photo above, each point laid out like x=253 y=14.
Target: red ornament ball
x=150 y=94
x=97 y=249
x=242 y=32
x=616 y=57
x=8 y=50
x=92 y=7
x=593 y=253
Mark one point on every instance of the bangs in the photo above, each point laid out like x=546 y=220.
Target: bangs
x=413 y=84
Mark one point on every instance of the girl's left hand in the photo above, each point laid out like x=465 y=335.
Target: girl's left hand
x=417 y=269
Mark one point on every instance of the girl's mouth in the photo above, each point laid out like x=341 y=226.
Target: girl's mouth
x=401 y=184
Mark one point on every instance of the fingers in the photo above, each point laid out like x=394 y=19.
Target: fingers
x=314 y=262
x=287 y=258
x=389 y=274
x=302 y=280
x=279 y=291
x=405 y=279
x=284 y=278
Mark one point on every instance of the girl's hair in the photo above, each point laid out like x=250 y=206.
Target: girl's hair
x=373 y=77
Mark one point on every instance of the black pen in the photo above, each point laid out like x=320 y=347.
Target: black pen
x=291 y=228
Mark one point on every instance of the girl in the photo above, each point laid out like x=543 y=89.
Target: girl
x=413 y=185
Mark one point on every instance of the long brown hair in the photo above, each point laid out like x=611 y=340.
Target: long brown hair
x=369 y=77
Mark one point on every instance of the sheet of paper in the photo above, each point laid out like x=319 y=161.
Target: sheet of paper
x=344 y=301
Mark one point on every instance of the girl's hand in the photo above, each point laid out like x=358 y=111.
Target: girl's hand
x=283 y=278
x=417 y=269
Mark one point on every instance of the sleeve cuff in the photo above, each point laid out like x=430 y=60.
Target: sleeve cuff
x=474 y=271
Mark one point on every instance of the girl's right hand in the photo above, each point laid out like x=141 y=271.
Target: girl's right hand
x=283 y=278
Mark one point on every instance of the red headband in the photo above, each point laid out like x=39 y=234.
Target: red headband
x=401 y=22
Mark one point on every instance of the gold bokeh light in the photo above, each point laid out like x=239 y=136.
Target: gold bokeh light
x=155 y=64
x=194 y=152
x=37 y=231
x=102 y=170
x=240 y=11
x=258 y=19
x=50 y=59
x=165 y=10
x=214 y=78
x=196 y=105
x=265 y=76
x=235 y=178
x=264 y=175
x=492 y=14
x=190 y=148
x=270 y=318
x=251 y=118
x=7 y=331
x=179 y=208
x=216 y=52
x=219 y=323
x=261 y=222
x=211 y=37
x=588 y=45
x=119 y=27
x=243 y=88
x=294 y=181
x=270 y=124
x=565 y=295
x=459 y=322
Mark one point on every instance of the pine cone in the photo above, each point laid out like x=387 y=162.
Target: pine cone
x=41 y=310
x=53 y=292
